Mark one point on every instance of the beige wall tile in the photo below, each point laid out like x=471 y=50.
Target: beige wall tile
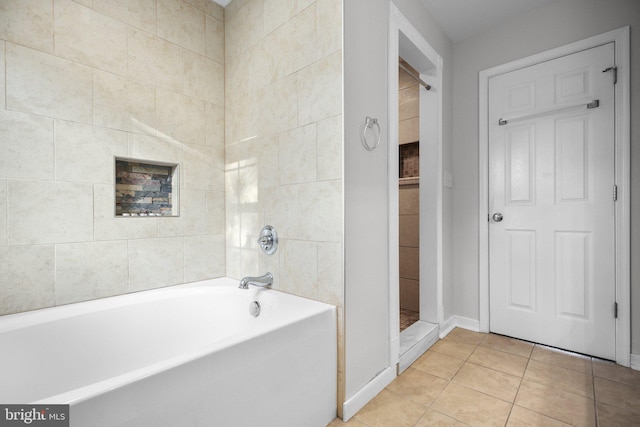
x=254 y=162
x=204 y=257
x=215 y=215
x=88 y=3
x=215 y=10
x=43 y=84
x=152 y=148
x=203 y=168
x=121 y=103
x=409 y=99
x=310 y=211
x=49 y=212
x=90 y=270
x=181 y=117
x=203 y=78
x=298 y=268
x=192 y=216
x=409 y=131
x=214 y=117
x=2 y=75
x=330 y=148
x=139 y=13
x=214 y=39
x=292 y=46
x=277 y=107
x=108 y=227
x=89 y=37
x=182 y=24
x=244 y=26
x=278 y=12
x=409 y=263
x=27 y=278
x=3 y=212
x=241 y=119
x=320 y=89
x=155 y=263
x=297 y=155
x=409 y=200
x=410 y=230
x=26 y=146
x=329 y=26
x=154 y=61
x=86 y=153
x=27 y=22
x=330 y=273
x=410 y=294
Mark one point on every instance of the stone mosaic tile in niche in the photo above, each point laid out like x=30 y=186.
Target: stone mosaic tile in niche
x=143 y=189
x=410 y=160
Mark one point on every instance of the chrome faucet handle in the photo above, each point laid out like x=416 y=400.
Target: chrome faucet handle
x=268 y=240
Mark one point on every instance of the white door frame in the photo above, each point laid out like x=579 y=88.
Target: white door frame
x=431 y=263
x=622 y=178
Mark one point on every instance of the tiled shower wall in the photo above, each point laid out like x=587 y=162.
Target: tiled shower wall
x=84 y=81
x=284 y=143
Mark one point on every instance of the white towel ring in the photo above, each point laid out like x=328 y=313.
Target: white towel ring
x=369 y=124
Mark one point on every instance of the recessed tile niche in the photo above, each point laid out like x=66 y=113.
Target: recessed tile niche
x=145 y=189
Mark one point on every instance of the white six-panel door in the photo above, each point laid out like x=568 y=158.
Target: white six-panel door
x=551 y=183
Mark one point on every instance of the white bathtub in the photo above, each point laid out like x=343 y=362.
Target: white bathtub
x=188 y=355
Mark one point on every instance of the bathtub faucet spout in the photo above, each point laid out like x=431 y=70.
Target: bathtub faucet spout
x=261 y=281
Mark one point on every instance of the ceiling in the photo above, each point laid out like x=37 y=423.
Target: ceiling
x=461 y=19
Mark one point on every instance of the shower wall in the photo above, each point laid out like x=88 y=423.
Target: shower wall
x=80 y=83
x=283 y=96
x=284 y=142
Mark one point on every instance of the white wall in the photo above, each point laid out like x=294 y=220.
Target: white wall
x=557 y=24
x=365 y=181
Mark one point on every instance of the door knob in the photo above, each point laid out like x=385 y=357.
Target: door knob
x=497 y=217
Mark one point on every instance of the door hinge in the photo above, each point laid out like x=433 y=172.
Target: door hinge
x=615 y=193
x=615 y=73
x=615 y=310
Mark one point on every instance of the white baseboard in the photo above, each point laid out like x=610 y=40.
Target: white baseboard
x=368 y=392
x=635 y=362
x=458 y=322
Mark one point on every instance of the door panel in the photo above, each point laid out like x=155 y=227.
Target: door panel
x=551 y=176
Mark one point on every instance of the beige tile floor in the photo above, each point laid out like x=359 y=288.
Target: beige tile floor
x=473 y=379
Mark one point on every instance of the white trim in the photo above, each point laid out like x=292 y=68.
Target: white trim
x=368 y=392
x=458 y=322
x=635 y=362
x=430 y=184
x=623 y=178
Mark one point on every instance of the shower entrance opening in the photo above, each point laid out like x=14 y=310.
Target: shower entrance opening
x=415 y=192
